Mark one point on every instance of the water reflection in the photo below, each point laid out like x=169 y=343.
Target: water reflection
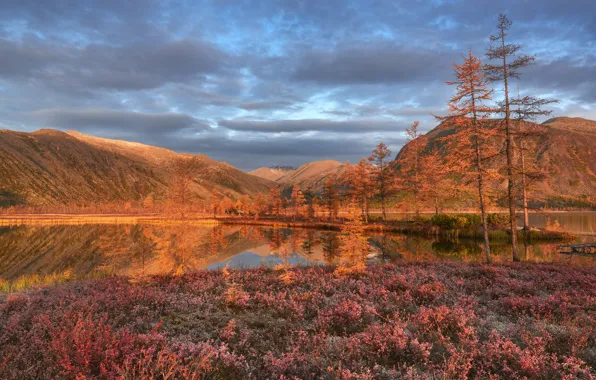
x=137 y=250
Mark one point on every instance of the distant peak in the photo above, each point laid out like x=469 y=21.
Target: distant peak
x=48 y=132
x=282 y=167
x=568 y=119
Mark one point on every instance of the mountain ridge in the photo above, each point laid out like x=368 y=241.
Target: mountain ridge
x=49 y=167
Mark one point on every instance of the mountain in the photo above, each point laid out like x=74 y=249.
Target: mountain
x=311 y=176
x=52 y=167
x=565 y=149
x=272 y=173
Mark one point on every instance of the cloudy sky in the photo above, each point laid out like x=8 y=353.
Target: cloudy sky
x=271 y=82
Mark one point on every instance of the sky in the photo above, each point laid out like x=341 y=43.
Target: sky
x=273 y=82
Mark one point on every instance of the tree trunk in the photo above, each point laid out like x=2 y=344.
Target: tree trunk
x=509 y=151
x=482 y=202
x=524 y=188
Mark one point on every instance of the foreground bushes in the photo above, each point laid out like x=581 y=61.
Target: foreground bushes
x=454 y=222
x=412 y=321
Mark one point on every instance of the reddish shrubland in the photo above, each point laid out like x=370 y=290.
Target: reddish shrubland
x=412 y=321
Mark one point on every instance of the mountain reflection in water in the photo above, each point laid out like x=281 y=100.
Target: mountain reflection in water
x=139 y=249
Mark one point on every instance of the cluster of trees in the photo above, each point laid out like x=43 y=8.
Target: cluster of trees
x=472 y=114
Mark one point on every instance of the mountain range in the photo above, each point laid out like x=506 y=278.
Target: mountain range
x=309 y=177
x=50 y=167
x=563 y=148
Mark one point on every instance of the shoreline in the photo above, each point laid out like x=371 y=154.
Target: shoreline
x=392 y=226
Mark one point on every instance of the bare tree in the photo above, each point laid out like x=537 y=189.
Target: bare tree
x=526 y=109
x=508 y=66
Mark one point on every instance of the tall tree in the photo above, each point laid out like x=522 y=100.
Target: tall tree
x=358 y=179
x=275 y=201
x=434 y=184
x=409 y=179
x=525 y=109
x=214 y=201
x=258 y=205
x=298 y=200
x=331 y=196
x=383 y=174
x=184 y=170
x=467 y=112
x=508 y=64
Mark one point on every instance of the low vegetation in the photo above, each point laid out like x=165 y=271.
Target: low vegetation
x=386 y=321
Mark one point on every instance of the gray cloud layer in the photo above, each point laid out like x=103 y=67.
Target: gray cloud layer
x=282 y=83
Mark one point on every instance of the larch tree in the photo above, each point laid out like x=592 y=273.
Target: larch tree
x=275 y=201
x=434 y=185
x=245 y=204
x=525 y=109
x=185 y=170
x=467 y=113
x=298 y=200
x=214 y=201
x=358 y=179
x=383 y=174
x=507 y=66
x=409 y=171
x=258 y=205
x=331 y=196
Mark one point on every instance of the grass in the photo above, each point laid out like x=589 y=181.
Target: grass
x=35 y=280
x=417 y=320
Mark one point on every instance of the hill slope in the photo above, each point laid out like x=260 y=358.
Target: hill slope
x=311 y=176
x=53 y=167
x=273 y=173
x=565 y=149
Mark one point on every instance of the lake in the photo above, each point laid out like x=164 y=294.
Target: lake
x=577 y=222
x=143 y=249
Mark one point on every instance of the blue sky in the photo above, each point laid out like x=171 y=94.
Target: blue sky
x=260 y=83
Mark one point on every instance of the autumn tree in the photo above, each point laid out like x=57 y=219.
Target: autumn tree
x=298 y=200
x=467 y=113
x=360 y=189
x=507 y=66
x=408 y=180
x=382 y=174
x=331 y=196
x=148 y=202
x=258 y=205
x=184 y=170
x=354 y=246
x=214 y=201
x=526 y=109
x=434 y=184
x=226 y=205
x=275 y=201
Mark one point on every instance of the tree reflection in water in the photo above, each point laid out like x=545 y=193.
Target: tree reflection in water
x=146 y=249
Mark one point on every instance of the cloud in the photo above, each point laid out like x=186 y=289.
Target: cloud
x=310 y=125
x=562 y=75
x=379 y=62
x=131 y=67
x=284 y=82
x=264 y=105
x=102 y=120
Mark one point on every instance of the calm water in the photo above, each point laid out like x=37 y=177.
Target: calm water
x=577 y=222
x=135 y=250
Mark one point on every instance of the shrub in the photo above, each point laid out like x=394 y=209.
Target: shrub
x=497 y=220
x=413 y=320
x=449 y=222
